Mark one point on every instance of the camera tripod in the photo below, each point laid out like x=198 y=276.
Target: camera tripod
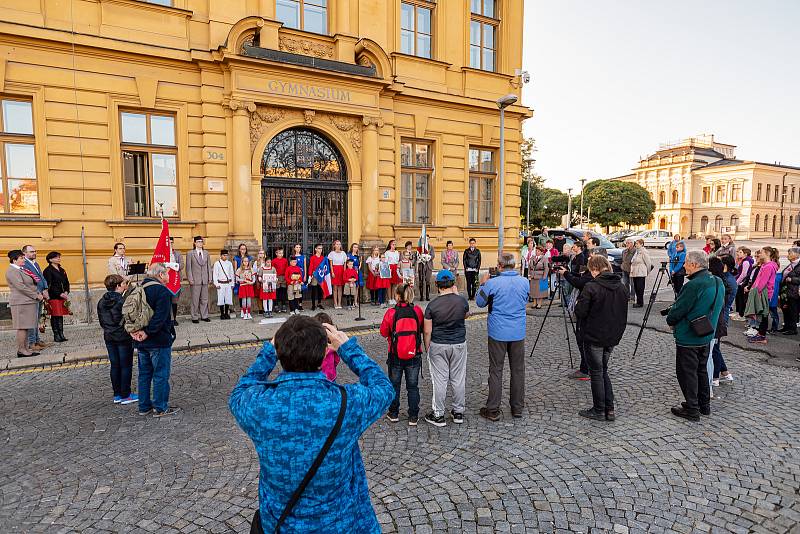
x=653 y=293
x=562 y=294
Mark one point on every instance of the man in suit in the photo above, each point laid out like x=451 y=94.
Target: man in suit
x=198 y=271
x=177 y=257
x=34 y=341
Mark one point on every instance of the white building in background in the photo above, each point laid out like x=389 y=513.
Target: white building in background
x=700 y=188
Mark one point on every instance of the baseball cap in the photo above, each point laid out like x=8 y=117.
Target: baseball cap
x=445 y=276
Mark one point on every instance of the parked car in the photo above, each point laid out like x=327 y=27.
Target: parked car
x=620 y=236
x=653 y=238
x=576 y=234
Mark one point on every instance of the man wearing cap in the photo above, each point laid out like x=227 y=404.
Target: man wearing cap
x=198 y=271
x=445 y=335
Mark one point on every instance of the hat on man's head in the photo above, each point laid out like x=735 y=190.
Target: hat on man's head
x=445 y=276
x=197 y=238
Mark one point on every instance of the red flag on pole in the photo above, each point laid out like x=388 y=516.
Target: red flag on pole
x=163 y=254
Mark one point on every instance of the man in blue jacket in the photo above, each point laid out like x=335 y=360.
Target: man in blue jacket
x=154 y=345
x=506 y=295
x=703 y=294
x=290 y=419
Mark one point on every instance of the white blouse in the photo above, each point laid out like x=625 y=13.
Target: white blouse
x=337 y=258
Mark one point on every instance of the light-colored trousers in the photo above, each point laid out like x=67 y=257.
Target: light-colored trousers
x=225 y=295
x=448 y=366
x=199 y=302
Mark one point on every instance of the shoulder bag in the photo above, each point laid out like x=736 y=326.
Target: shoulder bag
x=256 y=527
x=701 y=326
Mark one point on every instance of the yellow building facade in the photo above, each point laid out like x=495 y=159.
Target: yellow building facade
x=701 y=188
x=267 y=122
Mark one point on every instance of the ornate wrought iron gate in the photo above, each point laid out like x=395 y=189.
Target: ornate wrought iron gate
x=304 y=191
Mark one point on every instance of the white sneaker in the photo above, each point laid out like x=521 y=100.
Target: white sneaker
x=750 y=332
x=715 y=383
x=726 y=378
x=241 y=314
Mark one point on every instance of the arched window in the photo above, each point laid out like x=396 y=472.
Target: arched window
x=791 y=220
x=758 y=220
x=734 y=221
x=718 y=224
x=675 y=196
x=703 y=224
x=774 y=223
x=662 y=198
x=766 y=223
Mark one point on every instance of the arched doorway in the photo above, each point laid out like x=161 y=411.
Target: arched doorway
x=303 y=192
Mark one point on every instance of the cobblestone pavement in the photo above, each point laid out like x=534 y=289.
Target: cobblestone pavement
x=73 y=462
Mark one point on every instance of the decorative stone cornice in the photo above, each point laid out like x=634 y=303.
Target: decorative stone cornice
x=261 y=117
x=305 y=47
x=240 y=105
x=372 y=121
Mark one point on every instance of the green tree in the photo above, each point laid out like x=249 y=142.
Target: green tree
x=615 y=203
x=554 y=206
x=536 y=183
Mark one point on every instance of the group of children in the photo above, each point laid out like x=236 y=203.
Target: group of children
x=279 y=282
x=387 y=270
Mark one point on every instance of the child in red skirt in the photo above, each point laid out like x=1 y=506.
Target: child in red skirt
x=337 y=258
x=373 y=272
x=246 y=279
x=280 y=264
x=393 y=259
x=269 y=279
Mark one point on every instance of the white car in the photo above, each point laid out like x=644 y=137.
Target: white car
x=653 y=238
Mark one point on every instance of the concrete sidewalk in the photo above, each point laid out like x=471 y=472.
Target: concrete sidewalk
x=86 y=341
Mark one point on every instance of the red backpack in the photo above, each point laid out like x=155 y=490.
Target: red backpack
x=406 y=340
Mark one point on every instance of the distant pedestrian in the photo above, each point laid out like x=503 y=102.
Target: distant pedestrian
x=693 y=318
x=223 y=278
x=641 y=265
x=402 y=327
x=58 y=293
x=445 y=338
x=119 y=343
x=300 y=416
x=154 y=345
x=472 y=267
x=627 y=257
x=508 y=294
x=34 y=340
x=198 y=271
x=23 y=300
x=677 y=274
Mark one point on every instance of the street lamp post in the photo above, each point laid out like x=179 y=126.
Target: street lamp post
x=583 y=181
x=569 y=207
x=503 y=103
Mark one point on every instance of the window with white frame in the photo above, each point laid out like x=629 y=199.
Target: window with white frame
x=20 y=187
x=416 y=165
x=149 y=164
x=306 y=15
x=416 y=28
x=483 y=26
x=482 y=179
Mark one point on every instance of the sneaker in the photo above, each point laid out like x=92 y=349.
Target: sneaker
x=117 y=399
x=412 y=421
x=761 y=340
x=171 y=410
x=130 y=399
x=715 y=383
x=750 y=332
x=431 y=418
x=578 y=375
x=491 y=415
x=726 y=378
x=146 y=412
x=458 y=418
x=392 y=417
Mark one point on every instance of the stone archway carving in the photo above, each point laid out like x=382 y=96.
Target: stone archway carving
x=264 y=117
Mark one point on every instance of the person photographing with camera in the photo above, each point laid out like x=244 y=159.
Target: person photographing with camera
x=602 y=309
x=693 y=318
x=312 y=478
x=505 y=293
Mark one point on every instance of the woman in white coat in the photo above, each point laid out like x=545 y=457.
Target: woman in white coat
x=641 y=265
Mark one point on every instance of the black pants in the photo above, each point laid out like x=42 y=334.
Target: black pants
x=677 y=282
x=316 y=295
x=602 y=393
x=472 y=284
x=584 y=366
x=763 y=326
x=690 y=367
x=516 y=362
x=790 y=313
x=638 y=287
x=740 y=301
x=281 y=295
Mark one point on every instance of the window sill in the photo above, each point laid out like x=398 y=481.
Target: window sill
x=421 y=58
x=33 y=220
x=487 y=72
x=483 y=226
x=149 y=222
x=144 y=4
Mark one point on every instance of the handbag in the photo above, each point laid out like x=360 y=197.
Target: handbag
x=701 y=326
x=255 y=526
x=544 y=284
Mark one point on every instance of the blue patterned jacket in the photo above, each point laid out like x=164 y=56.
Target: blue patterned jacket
x=289 y=423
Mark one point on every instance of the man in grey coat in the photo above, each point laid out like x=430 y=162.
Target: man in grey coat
x=198 y=272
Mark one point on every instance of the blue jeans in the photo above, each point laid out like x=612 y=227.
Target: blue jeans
x=409 y=368
x=33 y=333
x=154 y=365
x=121 y=357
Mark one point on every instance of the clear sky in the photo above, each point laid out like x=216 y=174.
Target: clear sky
x=612 y=79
